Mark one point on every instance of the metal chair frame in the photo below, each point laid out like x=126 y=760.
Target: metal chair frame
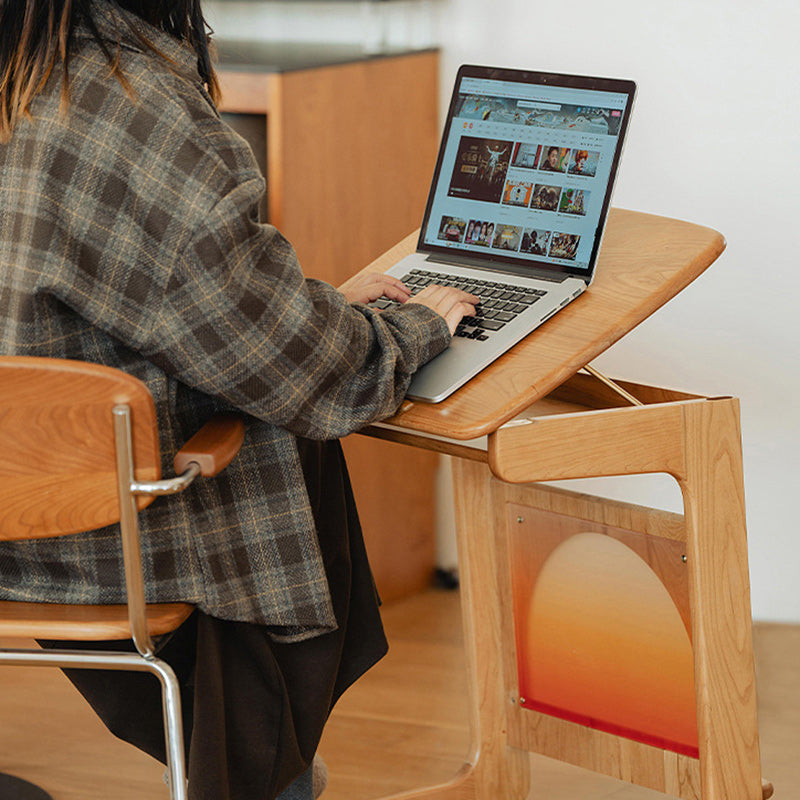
x=144 y=660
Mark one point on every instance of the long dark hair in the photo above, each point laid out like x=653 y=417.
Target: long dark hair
x=35 y=35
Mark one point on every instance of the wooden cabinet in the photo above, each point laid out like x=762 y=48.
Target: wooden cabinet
x=348 y=144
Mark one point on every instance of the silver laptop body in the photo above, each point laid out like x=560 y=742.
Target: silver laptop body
x=517 y=207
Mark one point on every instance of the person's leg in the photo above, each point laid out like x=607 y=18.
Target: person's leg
x=319 y=771
x=301 y=788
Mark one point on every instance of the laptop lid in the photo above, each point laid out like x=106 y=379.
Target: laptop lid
x=525 y=171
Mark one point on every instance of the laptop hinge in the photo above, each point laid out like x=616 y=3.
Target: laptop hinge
x=470 y=263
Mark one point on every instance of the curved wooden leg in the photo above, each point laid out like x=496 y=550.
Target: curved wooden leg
x=462 y=787
x=495 y=770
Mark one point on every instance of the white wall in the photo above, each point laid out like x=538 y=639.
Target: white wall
x=404 y=23
x=714 y=139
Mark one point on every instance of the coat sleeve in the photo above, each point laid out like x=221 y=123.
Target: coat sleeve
x=239 y=321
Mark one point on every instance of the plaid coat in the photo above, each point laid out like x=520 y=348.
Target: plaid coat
x=129 y=237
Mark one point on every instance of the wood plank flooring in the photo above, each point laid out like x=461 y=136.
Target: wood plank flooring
x=403 y=726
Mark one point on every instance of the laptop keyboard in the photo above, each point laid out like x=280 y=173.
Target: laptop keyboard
x=500 y=302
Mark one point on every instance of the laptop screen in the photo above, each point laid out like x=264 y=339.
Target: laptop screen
x=525 y=169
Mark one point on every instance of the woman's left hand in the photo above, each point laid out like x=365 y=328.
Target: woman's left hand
x=368 y=286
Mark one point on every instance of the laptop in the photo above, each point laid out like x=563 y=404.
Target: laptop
x=516 y=208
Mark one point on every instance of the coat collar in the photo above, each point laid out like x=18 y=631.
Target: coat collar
x=119 y=27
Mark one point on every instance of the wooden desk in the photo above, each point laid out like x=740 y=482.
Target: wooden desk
x=644 y=261
x=542 y=421
x=348 y=143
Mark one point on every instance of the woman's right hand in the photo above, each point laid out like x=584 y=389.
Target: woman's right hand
x=450 y=303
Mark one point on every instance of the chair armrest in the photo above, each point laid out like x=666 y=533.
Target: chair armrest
x=213 y=447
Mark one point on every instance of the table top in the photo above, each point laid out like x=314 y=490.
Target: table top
x=644 y=261
x=281 y=56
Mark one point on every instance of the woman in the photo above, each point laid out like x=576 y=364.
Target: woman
x=129 y=237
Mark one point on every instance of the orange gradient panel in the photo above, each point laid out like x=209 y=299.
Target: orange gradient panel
x=601 y=640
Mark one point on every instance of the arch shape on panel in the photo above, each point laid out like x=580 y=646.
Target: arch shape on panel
x=600 y=639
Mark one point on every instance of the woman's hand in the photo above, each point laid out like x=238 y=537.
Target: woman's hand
x=368 y=286
x=450 y=303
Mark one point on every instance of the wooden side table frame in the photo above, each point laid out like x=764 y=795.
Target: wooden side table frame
x=579 y=428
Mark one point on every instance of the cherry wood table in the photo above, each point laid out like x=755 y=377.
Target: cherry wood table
x=534 y=416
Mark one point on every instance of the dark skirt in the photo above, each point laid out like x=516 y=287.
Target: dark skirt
x=253 y=708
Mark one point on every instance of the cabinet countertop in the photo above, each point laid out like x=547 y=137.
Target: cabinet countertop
x=276 y=57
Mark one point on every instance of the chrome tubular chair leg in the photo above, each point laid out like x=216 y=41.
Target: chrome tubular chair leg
x=173 y=728
x=171 y=699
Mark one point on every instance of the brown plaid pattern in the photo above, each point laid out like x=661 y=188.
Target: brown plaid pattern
x=129 y=237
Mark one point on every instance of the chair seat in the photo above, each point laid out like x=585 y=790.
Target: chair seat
x=20 y=620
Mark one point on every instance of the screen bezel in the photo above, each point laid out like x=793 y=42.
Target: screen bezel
x=491 y=260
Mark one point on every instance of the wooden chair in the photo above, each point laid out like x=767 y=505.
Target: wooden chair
x=79 y=451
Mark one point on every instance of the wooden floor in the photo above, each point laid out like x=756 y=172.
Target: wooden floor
x=402 y=726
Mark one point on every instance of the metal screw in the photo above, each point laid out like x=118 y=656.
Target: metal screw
x=520 y=519
x=684 y=558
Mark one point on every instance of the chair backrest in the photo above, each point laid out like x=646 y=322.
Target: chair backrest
x=58 y=471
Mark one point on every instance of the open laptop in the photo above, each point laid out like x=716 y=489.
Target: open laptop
x=516 y=208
